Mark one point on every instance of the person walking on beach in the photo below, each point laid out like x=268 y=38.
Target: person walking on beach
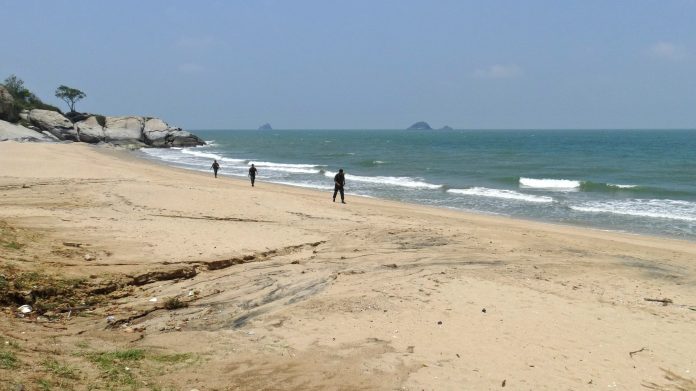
x=252 y=174
x=215 y=167
x=339 y=182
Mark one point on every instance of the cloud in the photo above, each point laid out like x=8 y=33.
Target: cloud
x=499 y=72
x=195 y=42
x=667 y=51
x=190 y=68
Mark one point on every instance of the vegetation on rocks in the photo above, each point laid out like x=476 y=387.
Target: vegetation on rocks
x=23 y=98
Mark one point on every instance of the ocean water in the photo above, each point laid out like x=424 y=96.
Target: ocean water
x=638 y=181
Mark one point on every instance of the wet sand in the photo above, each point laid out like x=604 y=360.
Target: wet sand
x=279 y=288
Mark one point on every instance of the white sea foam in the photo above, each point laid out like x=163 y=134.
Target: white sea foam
x=622 y=186
x=207 y=155
x=655 y=208
x=378 y=162
x=305 y=184
x=283 y=165
x=500 y=193
x=389 y=180
x=555 y=184
x=293 y=170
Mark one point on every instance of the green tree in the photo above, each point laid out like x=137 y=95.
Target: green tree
x=69 y=95
x=16 y=88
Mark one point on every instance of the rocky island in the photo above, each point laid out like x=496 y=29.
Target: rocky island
x=24 y=117
x=421 y=125
x=265 y=126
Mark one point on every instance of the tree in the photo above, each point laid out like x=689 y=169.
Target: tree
x=69 y=95
x=16 y=88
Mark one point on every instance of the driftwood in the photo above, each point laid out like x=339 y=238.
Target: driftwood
x=664 y=301
x=637 y=351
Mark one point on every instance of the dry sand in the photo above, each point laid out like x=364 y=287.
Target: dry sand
x=286 y=290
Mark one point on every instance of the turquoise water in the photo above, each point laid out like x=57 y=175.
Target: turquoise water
x=640 y=181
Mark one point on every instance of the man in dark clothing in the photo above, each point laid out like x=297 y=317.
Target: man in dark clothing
x=339 y=182
x=252 y=174
x=215 y=167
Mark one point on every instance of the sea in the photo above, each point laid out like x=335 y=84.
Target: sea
x=634 y=181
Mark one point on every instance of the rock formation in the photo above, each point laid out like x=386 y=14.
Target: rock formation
x=420 y=126
x=446 y=127
x=9 y=131
x=130 y=132
x=265 y=126
x=7 y=112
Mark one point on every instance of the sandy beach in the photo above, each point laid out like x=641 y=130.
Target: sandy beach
x=211 y=284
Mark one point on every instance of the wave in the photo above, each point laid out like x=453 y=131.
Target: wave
x=305 y=185
x=499 y=193
x=655 y=208
x=285 y=165
x=289 y=167
x=201 y=154
x=291 y=170
x=554 y=184
x=389 y=180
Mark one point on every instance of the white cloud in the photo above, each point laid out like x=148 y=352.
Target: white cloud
x=499 y=72
x=667 y=51
x=190 y=68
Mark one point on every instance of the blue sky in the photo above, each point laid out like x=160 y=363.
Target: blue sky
x=363 y=64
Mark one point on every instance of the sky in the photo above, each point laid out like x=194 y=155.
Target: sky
x=363 y=64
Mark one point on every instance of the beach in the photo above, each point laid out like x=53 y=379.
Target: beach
x=172 y=279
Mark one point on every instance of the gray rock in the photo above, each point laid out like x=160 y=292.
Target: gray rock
x=159 y=134
x=420 y=126
x=10 y=131
x=90 y=130
x=123 y=129
x=7 y=111
x=53 y=122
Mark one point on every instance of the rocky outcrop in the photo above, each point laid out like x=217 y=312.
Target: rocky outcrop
x=90 y=130
x=129 y=132
x=265 y=126
x=7 y=110
x=446 y=127
x=9 y=131
x=420 y=126
x=124 y=130
x=54 y=123
x=159 y=134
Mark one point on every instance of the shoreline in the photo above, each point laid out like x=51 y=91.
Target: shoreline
x=374 y=294
x=139 y=155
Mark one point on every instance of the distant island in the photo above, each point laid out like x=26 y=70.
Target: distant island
x=266 y=126
x=421 y=125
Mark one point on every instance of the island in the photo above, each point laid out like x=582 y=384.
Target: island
x=265 y=126
x=421 y=125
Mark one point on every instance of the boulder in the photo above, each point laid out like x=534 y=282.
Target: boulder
x=7 y=109
x=90 y=130
x=10 y=131
x=54 y=123
x=420 y=126
x=123 y=129
x=159 y=134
